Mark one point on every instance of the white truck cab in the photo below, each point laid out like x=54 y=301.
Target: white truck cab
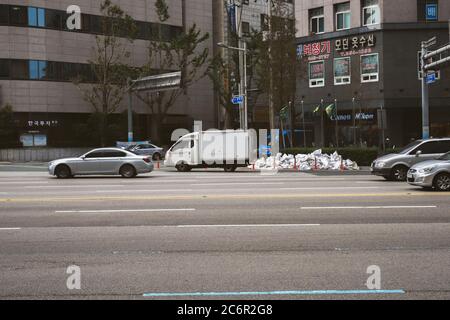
x=228 y=149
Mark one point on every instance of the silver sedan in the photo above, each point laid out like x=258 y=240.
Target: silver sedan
x=432 y=174
x=106 y=161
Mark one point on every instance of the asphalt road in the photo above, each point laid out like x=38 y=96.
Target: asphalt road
x=215 y=235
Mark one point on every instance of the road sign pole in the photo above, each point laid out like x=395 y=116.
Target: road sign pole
x=130 y=113
x=425 y=98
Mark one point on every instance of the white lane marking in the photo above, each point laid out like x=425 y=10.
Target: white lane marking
x=331 y=188
x=370 y=207
x=22 y=182
x=249 y=226
x=126 y=210
x=237 y=184
x=10 y=229
x=78 y=186
x=144 y=190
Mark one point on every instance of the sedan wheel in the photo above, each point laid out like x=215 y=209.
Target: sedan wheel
x=442 y=182
x=157 y=157
x=399 y=173
x=63 y=172
x=127 y=171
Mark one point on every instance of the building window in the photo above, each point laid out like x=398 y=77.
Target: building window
x=245 y=28
x=427 y=10
x=370 y=68
x=342 y=67
x=19 y=69
x=317 y=21
x=18 y=16
x=4 y=68
x=4 y=14
x=37 y=69
x=316 y=74
x=371 y=12
x=343 y=16
x=36 y=17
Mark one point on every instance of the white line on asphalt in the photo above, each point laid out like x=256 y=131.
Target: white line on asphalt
x=126 y=210
x=10 y=229
x=330 y=188
x=144 y=190
x=78 y=186
x=237 y=183
x=249 y=226
x=372 y=207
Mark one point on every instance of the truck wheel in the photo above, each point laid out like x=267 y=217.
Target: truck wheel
x=442 y=182
x=230 y=168
x=183 y=167
x=399 y=173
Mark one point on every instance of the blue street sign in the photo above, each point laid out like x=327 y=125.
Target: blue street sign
x=432 y=12
x=237 y=100
x=431 y=78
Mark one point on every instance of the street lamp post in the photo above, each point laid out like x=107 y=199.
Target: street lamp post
x=354 y=122
x=243 y=86
x=303 y=123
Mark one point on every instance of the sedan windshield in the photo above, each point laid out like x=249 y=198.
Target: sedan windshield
x=410 y=146
x=445 y=157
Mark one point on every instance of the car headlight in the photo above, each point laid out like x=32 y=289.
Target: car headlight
x=427 y=169
x=380 y=164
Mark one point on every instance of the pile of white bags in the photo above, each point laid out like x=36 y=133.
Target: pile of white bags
x=306 y=162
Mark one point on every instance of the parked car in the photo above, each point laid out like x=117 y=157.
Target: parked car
x=432 y=174
x=395 y=166
x=147 y=150
x=106 y=161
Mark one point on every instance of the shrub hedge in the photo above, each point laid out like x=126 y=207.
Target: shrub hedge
x=364 y=157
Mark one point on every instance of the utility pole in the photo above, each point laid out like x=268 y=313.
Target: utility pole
x=303 y=123
x=442 y=58
x=425 y=99
x=130 y=111
x=337 y=123
x=271 y=104
x=322 y=129
x=354 y=122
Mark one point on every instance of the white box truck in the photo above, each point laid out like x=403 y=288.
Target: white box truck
x=228 y=149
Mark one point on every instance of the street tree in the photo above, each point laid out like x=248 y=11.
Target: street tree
x=183 y=52
x=109 y=65
x=277 y=67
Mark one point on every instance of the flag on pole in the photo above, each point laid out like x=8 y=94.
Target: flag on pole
x=284 y=113
x=317 y=110
x=331 y=111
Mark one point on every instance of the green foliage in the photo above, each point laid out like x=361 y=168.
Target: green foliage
x=182 y=53
x=110 y=65
x=364 y=157
x=162 y=10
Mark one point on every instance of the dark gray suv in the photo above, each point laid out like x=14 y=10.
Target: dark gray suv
x=395 y=166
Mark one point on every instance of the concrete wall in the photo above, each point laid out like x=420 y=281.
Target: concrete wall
x=39 y=154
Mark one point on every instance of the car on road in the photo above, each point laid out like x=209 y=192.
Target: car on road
x=147 y=149
x=395 y=166
x=432 y=174
x=105 y=161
